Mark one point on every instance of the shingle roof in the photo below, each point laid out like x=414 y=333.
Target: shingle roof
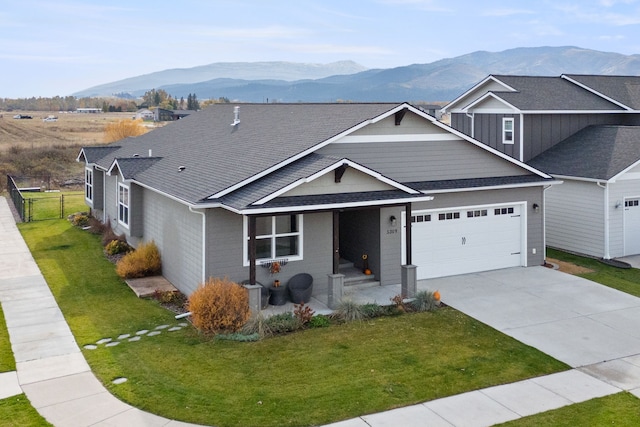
x=131 y=167
x=550 y=93
x=217 y=156
x=453 y=184
x=596 y=152
x=95 y=153
x=624 y=89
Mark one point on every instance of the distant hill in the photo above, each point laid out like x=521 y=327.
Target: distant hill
x=441 y=80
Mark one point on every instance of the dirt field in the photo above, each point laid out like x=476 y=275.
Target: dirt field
x=70 y=129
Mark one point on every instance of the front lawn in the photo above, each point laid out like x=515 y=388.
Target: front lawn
x=625 y=280
x=315 y=376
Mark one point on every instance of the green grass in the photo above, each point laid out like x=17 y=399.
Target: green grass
x=625 y=280
x=311 y=377
x=48 y=205
x=7 y=362
x=621 y=410
x=17 y=411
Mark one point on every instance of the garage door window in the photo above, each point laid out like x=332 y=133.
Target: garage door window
x=448 y=215
x=421 y=218
x=503 y=211
x=476 y=213
x=630 y=203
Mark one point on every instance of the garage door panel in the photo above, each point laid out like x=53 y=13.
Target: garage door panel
x=465 y=241
x=632 y=226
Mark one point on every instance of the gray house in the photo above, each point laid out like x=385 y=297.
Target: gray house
x=231 y=189
x=581 y=129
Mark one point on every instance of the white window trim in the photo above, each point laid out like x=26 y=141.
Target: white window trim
x=245 y=241
x=127 y=205
x=506 y=120
x=88 y=186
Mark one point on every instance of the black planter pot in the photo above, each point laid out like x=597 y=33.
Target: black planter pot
x=278 y=295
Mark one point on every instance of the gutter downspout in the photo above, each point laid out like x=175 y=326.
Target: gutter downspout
x=544 y=222
x=606 y=219
x=204 y=242
x=472 y=116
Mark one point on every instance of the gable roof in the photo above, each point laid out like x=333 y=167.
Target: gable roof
x=624 y=90
x=207 y=158
x=596 y=152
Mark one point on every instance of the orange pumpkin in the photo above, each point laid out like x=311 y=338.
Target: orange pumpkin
x=367 y=272
x=436 y=295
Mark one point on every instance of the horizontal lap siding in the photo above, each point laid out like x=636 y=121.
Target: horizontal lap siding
x=225 y=257
x=575 y=217
x=177 y=233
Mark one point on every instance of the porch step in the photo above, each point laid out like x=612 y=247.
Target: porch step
x=355 y=277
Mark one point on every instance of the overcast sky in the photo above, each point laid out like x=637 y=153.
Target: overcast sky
x=59 y=47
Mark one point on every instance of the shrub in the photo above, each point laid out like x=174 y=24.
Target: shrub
x=219 y=306
x=257 y=325
x=108 y=235
x=400 y=304
x=79 y=219
x=142 y=262
x=348 y=311
x=372 y=310
x=424 y=301
x=303 y=313
x=97 y=227
x=239 y=337
x=319 y=321
x=117 y=247
x=283 y=323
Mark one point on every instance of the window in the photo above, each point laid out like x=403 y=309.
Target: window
x=88 y=184
x=123 y=204
x=503 y=211
x=630 y=203
x=276 y=237
x=448 y=215
x=507 y=130
x=476 y=213
x=421 y=218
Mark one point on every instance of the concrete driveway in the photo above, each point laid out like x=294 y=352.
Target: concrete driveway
x=574 y=320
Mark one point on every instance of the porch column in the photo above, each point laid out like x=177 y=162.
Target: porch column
x=336 y=242
x=409 y=286
x=252 y=250
x=407 y=231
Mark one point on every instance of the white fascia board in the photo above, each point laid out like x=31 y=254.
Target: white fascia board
x=81 y=156
x=114 y=164
x=582 y=178
x=492 y=187
x=332 y=206
x=579 y=112
x=510 y=109
x=624 y=171
x=331 y=168
x=308 y=151
x=595 y=92
x=447 y=107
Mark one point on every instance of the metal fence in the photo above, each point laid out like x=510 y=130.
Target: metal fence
x=33 y=204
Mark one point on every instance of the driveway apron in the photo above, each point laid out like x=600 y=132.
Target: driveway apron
x=572 y=319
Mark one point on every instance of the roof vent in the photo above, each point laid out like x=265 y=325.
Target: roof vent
x=236 y=115
x=181 y=168
x=136 y=155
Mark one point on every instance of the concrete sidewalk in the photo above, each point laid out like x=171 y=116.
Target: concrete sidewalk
x=52 y=371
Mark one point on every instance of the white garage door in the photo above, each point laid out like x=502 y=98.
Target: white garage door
x=466 y=240
x=632 y=226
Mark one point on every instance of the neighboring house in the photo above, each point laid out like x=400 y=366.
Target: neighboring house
x=230 y=189
x=582 y=129
x=162 y=115
x=144 y=114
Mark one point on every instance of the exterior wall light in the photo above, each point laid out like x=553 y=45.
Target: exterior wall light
x=393 y=220
x=536 y=207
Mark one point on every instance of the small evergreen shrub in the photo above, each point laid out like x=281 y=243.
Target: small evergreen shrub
x=424 y=301
x=319 y=321
x=348 y=311
x=372 y=310
x=219 y=306
x=283 y=323
x=117 y=247
x=142 y=262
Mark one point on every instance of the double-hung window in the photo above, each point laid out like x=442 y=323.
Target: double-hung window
x=507 y=130
x=123 y=204
x=277 y=237
x=88 y=184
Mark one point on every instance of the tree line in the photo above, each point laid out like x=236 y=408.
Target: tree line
x=152 y=98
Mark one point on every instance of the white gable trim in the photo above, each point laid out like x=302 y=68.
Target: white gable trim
x=309 y=151
x=510 y=109
x=113 y=166
x=620 y=174
x=595 y=92
x=331 y=168
x=447 y=107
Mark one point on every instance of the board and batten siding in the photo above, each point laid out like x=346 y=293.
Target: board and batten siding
x=390 y=246
x=575 y=217
x=488 y=129
x=530 y=195
x=359 y=235
x=225 y=256
x=352 y=181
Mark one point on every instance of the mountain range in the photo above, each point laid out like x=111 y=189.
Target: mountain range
x=438 y=81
